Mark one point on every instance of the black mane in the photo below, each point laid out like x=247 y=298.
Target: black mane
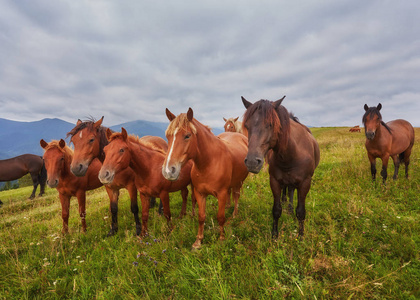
x=371 y=112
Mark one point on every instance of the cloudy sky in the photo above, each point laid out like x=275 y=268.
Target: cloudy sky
x=129 y=60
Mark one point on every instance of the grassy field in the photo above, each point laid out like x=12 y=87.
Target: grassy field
x=362 y=241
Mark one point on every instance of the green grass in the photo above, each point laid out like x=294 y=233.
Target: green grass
x=362 y=241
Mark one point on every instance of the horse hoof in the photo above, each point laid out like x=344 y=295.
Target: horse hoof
x=196 y=246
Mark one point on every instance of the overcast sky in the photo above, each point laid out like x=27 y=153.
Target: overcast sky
x=129 y=60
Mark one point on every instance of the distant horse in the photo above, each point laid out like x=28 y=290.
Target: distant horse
x=395 y=139
x=146 y=160
x=57 y=157
x=16 y=167
x=218 y=168
x=89 y=139
x=355 y=129
x=233 y=125
x=293 y=159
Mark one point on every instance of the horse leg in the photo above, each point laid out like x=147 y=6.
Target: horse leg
x=113 y=207
x=201 y=201
x=396 y=161
x=193 y=200
x=132 y=191
x=65 y=209
x=300 y=209
x=152 y=202
x=42 y=179
x=145 y=201
x=291 y=193
x=372 y=161
x=236 y=194
x=229 y=196
x=160 y=209
x=276 y=190
x=164 y=198
x=406 y=155
x=35 y=182
x=184 y=195
x=81 y=198
x=221 y=217
x=384 y=171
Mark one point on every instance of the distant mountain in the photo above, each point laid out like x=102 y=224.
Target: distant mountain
x=18 y=138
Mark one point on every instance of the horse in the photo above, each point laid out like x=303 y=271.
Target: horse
x=89 y=139
x=145 y=159
x=295 y=154
x=233 y=125
x=17 y=167
x=218 y=168
x=58 y=157
x=394 y=139
x=355 y=129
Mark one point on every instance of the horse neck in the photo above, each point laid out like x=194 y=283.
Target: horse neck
x=66 y=166
x=207 y=142
x=285 y=145
x=143 y=159
x=103 y=141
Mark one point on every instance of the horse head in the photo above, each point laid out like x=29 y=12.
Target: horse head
x=372 y=120
x=56 y=157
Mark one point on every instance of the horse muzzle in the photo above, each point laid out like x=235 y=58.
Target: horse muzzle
x=106 y=176
x=171 y=172
x=254 y=163
x=79 y=169
x=52 y=183
x=370 y=135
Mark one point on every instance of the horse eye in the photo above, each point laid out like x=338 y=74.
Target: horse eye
x=91 y=140
x=187 y=136
x=121 y=150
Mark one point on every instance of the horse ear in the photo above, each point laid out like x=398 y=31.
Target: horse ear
x=78 y=122
x=190 y=114
x=62 y=143
x=108 y=133
x=224 y=119
x=43 y=143
x=124 y=133
x=379 y=106
x=278 y=102
x=246 y=102
x=98 y=123
x=236 y=119
x=366 y=107
x=170 y=115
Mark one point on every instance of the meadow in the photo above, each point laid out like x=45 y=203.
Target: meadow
x=362 y=241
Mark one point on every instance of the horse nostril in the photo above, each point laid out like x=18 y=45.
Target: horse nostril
x=80 y=167
x=173 y=170
x=246 y=160
x=259 y=161
x=107 y=174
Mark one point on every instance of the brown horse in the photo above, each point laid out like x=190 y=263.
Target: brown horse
x=89 y=139
x=17 y=167
x=355 y=129
x=293 y=159
x=233 y=125
x=218 y=167
x=57 y=157
x=146 y=160
x=395 y=139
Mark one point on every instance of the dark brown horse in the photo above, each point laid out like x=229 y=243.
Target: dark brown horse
x=17 y=167
x=57 y=157
x=393 y=139
x=146 y=160
x=89 y=139
x=218 y=167
x=293 y=159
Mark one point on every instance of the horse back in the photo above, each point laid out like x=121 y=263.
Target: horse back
x=16 y=167
x=402 y=135
x=237 y=146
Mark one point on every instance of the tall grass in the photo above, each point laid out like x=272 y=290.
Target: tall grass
x=361 y=241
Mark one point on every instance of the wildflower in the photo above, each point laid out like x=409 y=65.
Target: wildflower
x=155 y=262
x=106 y=217
x=82 y=261
x=45 y=259
x=75 y=269
x=31 y=244
x=138 y=254
x=78 y=256
x=135 y=263
x=55 y=282
x=164 y=250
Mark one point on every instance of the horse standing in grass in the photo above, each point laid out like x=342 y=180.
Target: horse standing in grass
x=218 y=168
x=146 y=160
x=89 y=139
x=17 y=167
x=395 y=139
x=293 y=159
x=233 y=125
x=58 y=157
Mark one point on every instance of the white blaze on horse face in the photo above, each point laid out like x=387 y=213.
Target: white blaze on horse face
x=170 y=152
x=81 y=134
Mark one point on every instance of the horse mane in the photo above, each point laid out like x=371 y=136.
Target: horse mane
x=278 y=119
x=235 y=123
x=181 y=121
x=55 y=144
x=294 y=118
x=371 y=112
x=135 y=139
x=101 y=130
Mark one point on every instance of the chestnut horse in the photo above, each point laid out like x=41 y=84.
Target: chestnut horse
x=89 y=140
x=58 y=157
x=146 y=160
x=233 y=125
x=17 y=167
x=293 y=159
x=395 y=139
x=218 y=168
